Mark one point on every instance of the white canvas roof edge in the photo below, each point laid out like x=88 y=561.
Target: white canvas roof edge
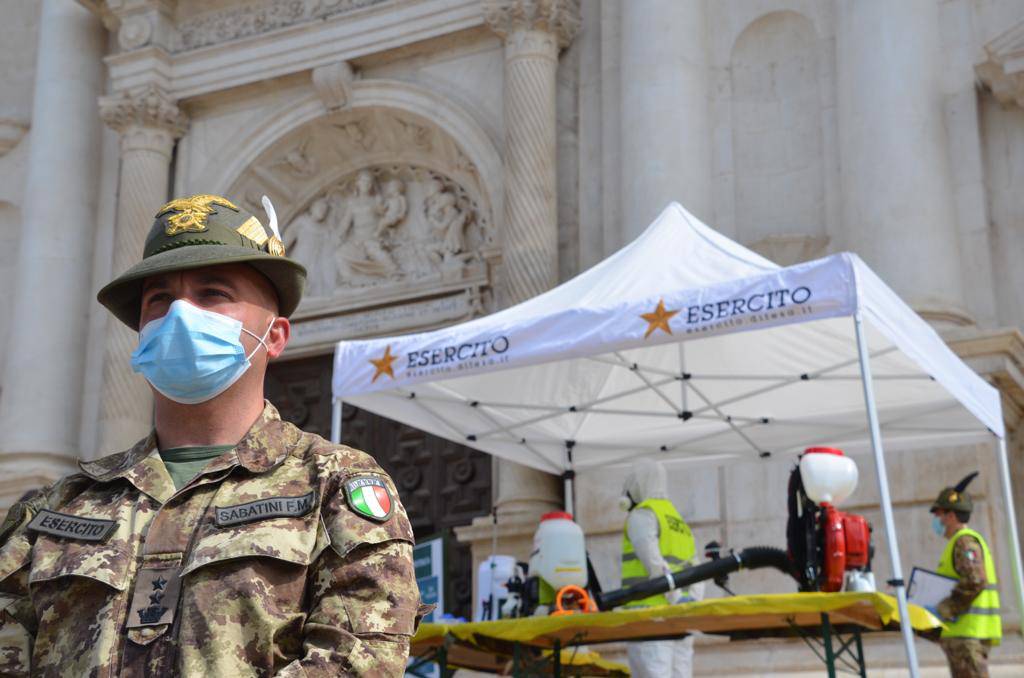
x=916 y=339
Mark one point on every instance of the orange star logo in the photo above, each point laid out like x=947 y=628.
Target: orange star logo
x=383 y=365
x=658 y=320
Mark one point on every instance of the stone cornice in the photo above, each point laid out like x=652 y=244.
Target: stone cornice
x=1003 y=68
x=251 y=19
x=560 y=18
x=148 y=107
x=291 y=49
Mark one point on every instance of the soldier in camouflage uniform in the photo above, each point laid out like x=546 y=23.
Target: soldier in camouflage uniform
x=261 y=551
x=971 y=611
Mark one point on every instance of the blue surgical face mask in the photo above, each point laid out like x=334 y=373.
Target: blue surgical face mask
x=937 y=526
x=191 y=355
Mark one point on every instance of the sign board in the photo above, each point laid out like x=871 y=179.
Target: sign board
x=428 y=560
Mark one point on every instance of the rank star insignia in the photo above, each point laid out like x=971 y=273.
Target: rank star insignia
x=384 y=364
x=191 y=212
x=658 y=319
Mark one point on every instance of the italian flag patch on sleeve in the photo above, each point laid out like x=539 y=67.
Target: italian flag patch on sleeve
x=369 y=497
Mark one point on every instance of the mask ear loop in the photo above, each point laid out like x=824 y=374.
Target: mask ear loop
x=261 y=340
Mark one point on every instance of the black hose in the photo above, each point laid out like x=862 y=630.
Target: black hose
x=747 y=559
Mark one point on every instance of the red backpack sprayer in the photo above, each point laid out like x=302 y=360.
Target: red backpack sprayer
x=827 y=549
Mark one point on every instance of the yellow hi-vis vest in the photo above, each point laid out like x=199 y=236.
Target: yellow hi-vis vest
x=675 y=541
x=982 y=619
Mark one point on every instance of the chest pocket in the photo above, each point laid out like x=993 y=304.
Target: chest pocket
x=296 y=539
x=106 y=559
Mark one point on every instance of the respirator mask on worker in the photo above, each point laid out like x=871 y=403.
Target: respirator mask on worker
x=626 y=502
x=191 y=355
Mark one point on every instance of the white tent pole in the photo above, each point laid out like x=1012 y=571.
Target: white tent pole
x=883 y=488
x=336 y=420
x=567 y=480
x=1011 y=516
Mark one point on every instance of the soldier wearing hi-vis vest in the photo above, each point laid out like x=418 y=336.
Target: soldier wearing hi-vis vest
x=656 y=541
x=971 y=611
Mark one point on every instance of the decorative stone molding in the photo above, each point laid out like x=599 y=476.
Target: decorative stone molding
x=137 y=23
x=256 y=18
x=333 y=83
x=1003 y=69
x=559 y=18
x=146 y=117
x=11 y=132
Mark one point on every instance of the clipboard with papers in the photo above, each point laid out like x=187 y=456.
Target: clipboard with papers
x=928 y=588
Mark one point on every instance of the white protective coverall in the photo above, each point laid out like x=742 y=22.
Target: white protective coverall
x=655 y=658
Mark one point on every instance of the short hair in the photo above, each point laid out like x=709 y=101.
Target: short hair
x=963 y=516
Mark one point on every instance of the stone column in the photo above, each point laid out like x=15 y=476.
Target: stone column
x=897 y=192
x=534 y=31
x=149 y=122
x=665 y=111
x=43 y=368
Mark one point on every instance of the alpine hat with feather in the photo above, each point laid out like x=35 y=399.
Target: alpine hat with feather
x=207 y=230
x=956 y=498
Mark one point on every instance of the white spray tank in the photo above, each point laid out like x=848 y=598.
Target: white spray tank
x=493 y=580
x=559 y=551
x=829 y=476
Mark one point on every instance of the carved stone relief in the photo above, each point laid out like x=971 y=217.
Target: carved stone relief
x=382 y=225
x=389 y=216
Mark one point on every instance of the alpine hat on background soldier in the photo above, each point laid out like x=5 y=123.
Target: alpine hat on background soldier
x=228 y=542
x=971 y=611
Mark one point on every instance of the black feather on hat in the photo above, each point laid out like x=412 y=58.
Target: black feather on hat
x=962 y=485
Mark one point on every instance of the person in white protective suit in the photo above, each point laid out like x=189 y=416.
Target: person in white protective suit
x=656 y=540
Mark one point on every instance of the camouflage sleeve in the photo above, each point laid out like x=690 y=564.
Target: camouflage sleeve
x=16 y=613
x=364 y=601
x=364 y=609
x=969 y=563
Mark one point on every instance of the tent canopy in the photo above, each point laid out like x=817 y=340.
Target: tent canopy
x=683 y=345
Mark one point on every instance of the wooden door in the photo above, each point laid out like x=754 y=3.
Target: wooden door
x=442 y=484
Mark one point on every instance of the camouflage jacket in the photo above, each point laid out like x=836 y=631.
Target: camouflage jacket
x=969 y=563
x=261 y=565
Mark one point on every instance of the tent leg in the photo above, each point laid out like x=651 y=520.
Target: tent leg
x=1014 y=541
x=336 y=420
x=883 y=487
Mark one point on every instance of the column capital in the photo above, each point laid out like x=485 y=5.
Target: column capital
x=145 y=117
x=560 y=18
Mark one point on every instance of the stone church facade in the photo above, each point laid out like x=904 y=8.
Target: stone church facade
x=435 y=160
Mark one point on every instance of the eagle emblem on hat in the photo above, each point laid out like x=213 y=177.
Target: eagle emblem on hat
x=191 y=212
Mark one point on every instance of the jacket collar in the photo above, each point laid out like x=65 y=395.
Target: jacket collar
x=265 y=446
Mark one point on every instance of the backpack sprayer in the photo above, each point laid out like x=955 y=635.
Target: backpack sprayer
x=827 y=549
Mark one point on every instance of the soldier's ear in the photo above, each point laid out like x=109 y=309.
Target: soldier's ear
x=278 y=336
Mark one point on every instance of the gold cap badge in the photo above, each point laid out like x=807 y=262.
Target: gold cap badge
x=191 y=212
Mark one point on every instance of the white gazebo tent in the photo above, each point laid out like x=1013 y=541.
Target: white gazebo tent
x=686 y=346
